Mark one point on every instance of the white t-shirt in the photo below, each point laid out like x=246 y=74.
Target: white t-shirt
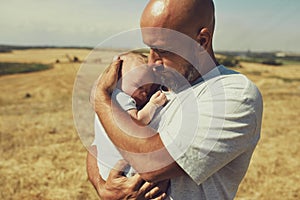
x=211 y=133
x=107 y=153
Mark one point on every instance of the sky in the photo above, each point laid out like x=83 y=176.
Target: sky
x=256 y=25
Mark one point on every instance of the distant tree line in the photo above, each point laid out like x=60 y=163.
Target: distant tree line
x=16 y=68
x=10 y=48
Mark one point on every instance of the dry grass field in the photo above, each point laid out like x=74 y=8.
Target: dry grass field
x=42 y=156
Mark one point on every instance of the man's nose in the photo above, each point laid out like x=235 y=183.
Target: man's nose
x=154 y=59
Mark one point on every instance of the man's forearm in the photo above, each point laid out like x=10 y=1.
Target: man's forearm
x=146 y=154
x=92 y=169
x=123 y=131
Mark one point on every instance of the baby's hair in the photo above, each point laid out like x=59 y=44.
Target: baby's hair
x=129 y=58
x=134 y=54
x=135 y=62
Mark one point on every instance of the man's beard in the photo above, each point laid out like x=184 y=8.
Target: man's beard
x=175 y=81
x=192 y=74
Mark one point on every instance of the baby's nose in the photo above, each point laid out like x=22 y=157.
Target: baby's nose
x=144 y=93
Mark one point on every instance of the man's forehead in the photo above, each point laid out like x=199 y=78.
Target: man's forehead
x=167 y=39
x=157 y=38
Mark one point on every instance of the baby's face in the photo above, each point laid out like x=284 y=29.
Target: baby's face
x=141 y=94
x=138 y=84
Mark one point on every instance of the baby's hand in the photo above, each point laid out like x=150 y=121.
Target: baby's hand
x=158 y=99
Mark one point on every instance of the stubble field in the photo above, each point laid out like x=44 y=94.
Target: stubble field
x=42 y=156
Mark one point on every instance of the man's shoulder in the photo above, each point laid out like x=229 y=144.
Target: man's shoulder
x=234 y=89
x=240 y=86
x=229 y=81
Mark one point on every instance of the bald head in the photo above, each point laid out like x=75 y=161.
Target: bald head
x=185 y=16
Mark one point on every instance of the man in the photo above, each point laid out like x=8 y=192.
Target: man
x=207 y=154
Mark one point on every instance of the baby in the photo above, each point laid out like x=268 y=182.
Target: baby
x=134 y=88
x=133 y=94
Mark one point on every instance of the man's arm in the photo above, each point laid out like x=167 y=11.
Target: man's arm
x=118 y=186
x=147 y=155
x=92 y=170
x=117 y=189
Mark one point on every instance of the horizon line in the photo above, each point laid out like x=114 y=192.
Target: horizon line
x=22 y=46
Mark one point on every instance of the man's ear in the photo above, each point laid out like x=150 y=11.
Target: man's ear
x=204 y=38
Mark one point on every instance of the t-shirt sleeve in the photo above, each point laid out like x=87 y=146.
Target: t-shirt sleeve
x=125 y=101
x=227 y=123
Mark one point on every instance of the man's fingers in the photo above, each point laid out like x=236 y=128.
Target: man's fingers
x=93 y=91
x=160 y=197
x=137 y=181
x=117 y=63
x=146 y=188
x=109 y=77
x=115 y=58
x=152 y=193
x=114 y=66
x=159 y=191
x=118 y=169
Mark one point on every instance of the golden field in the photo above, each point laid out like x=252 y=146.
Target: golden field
x=42 y=156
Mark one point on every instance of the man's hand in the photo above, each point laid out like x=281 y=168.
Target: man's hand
x=106 y=82
x=118 y=186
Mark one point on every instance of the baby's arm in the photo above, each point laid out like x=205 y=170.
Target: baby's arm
x=144 y=116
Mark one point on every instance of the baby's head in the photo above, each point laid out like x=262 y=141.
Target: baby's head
x=136 y=78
